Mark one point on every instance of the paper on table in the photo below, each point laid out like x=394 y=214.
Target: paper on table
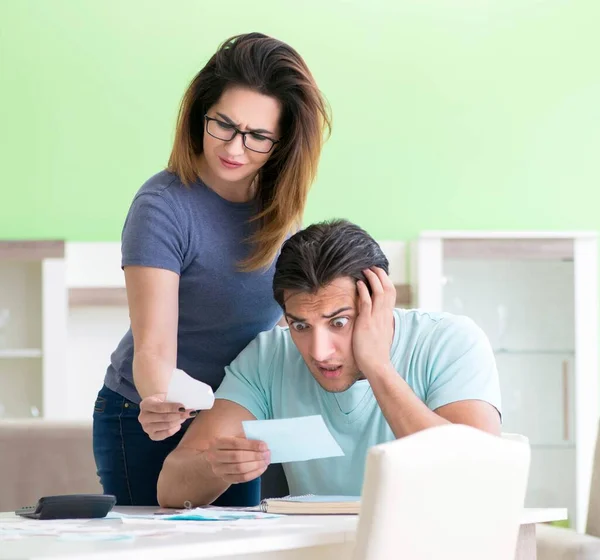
x=211 y=514
x=100 y=536
x=69 y=529
x=190 y=392
x=195 y=514
x=294 y=439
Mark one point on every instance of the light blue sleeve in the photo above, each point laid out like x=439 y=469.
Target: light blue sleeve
x=247 y=379
x=462 y=365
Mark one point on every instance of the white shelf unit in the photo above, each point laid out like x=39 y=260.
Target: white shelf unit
x=33 y=311
x=98 y=318
x=535 y=294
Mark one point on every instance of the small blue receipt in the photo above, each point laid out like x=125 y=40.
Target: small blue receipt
x=294 y=439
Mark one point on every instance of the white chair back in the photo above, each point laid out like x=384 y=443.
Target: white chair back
x=593 y=514
x=451 y=492
x=515 y=437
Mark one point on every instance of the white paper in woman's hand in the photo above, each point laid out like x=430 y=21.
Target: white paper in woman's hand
x=190 y=392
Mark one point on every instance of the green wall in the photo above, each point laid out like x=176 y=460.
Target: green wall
x=450 y=114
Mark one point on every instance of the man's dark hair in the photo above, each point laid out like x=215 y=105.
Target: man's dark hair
x=316 y=256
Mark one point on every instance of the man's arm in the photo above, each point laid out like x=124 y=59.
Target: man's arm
x=212 y=454
x=407 y=414
x=404 y=411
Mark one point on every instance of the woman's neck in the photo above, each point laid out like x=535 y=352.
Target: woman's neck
x=233 y=191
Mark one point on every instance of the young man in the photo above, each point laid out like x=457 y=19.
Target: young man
x=373 y=372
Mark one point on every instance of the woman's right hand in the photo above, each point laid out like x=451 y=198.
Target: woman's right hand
x=161 y=419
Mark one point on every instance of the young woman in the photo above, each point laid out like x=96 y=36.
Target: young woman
x=198 y=246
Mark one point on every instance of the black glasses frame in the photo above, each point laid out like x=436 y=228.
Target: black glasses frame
x=237 y=131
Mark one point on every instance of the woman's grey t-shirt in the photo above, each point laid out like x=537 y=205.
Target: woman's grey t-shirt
x=201 y=237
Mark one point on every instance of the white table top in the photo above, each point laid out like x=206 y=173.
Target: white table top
x=258 y=536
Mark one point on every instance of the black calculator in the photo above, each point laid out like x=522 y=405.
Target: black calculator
x=70 y=506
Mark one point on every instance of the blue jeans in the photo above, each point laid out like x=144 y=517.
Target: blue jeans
x=129 y=462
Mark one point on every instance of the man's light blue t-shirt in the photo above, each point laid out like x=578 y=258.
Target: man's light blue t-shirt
x=444 y=358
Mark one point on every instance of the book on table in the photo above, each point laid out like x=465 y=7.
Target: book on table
x=312 y=504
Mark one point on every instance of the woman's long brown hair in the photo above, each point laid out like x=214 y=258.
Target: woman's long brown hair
x=272 y=68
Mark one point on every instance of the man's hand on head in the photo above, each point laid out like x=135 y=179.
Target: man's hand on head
x=374 y=327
